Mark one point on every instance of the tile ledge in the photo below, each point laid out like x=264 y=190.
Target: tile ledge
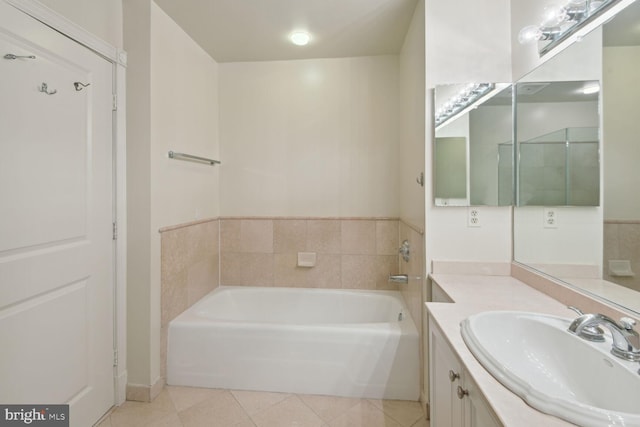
x=413 y=226
x=471 y=268
x=311 y=218
x=186 y=224
x=622 y=221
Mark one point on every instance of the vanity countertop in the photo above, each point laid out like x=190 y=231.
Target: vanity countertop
x=475 y=294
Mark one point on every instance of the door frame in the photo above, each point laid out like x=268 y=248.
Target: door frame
x=118 y=58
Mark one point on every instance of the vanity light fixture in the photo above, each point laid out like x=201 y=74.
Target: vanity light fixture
x=563 y=18
x=300 y=38
x=465 y=98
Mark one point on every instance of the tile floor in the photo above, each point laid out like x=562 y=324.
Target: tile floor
x=201 y=407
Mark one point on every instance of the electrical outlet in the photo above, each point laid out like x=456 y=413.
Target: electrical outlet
x=473 y=217
x=550 y=218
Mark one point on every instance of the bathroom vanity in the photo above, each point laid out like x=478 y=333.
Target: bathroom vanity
x=462 y=392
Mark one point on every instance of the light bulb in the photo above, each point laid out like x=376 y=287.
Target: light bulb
x=554 y=15
x=299 y=38
x=529 y=34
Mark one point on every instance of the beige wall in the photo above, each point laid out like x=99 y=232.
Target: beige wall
x=137 y=27
x=621 y=128
x=469 y=46
x=412 y=120
x=468 y=41
x=621 y=152
x=412 y=156
x=184 y=118
x=172 y=105
x=310 y=137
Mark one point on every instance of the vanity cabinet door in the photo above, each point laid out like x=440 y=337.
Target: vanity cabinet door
x=455 y=400
x=445 y=374
x=477 y=412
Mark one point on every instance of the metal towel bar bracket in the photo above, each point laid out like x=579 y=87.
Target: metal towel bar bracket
x=12 y=56
x=189 y=157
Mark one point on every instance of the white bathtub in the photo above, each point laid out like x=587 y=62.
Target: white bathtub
x=310 y=341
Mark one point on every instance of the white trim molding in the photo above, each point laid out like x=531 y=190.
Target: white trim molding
x=120 y=155
x=70 y=29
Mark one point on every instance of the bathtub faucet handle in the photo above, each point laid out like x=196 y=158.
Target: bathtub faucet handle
x=405 y=251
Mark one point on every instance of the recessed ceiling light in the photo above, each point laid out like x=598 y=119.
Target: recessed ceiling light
x=299 y=38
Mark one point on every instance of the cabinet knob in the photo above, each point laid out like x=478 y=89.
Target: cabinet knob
x=453 y=376
x=462 y=392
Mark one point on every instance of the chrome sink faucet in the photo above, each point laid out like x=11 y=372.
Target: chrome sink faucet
x=626 y=341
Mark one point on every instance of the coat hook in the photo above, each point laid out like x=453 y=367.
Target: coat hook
x=79 y=86
x=45 y=89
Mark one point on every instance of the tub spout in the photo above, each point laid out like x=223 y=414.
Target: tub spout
x=399 y=278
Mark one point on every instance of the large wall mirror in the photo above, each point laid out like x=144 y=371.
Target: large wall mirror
x=592 y=243
x=473 y=152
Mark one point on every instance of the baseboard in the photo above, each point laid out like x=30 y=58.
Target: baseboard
x=425 y=404
x=121 y=388
x=144 y=393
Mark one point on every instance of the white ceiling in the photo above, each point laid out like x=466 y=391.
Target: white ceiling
x=257 y=30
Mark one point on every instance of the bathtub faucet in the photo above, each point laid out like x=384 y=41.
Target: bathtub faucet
x=399 y=278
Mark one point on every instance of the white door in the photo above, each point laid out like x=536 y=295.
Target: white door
x=56 y=213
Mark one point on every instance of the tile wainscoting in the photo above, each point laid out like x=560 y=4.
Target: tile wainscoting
x=190 y=269
x=622 y=242
x=351 y=253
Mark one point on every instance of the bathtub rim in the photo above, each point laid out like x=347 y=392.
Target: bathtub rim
x=405 y=327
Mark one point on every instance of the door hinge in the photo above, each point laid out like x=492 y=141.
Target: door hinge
x=115 y=357
x=115 y=231
x=114 y=106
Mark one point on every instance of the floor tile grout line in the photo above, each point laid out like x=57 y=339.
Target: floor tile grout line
x=231 y=392
x=324 y=421
x=393 y=418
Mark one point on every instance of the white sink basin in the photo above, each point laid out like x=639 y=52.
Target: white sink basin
x=554 y=371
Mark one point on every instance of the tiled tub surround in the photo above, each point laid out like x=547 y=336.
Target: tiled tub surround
x=357 y=253
x=622 y=242
x=190 y=270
